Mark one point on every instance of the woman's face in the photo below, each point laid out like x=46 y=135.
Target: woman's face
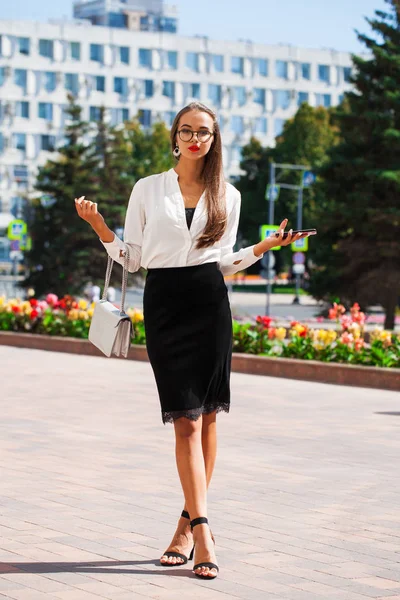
x=199 y=145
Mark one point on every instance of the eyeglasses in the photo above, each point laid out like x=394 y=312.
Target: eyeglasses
x=186 y=135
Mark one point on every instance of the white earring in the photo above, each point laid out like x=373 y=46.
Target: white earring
x=176 y=152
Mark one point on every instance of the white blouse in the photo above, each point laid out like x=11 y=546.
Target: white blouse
x=157 y=234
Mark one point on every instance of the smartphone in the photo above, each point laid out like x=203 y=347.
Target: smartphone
x=308 y=231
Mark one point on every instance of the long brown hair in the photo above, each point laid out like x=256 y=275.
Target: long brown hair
x=212 y=176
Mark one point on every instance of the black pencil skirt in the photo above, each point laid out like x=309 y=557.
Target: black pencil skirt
x=188 y=326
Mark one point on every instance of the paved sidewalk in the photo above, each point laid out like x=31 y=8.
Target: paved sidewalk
x=304 y=504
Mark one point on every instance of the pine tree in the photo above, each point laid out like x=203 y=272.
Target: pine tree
x=359 y=213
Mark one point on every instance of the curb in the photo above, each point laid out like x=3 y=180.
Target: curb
x=288 y=368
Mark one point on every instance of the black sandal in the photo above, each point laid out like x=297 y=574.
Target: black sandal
x=211 y=565
x=185 y=559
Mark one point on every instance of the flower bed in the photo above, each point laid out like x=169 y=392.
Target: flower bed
x=68 y=317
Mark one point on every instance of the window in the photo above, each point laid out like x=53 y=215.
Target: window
x=240 y=95
x=46 y=48
x=50 y=82
x=124 y=55
x=100 y=83
x=259 y=96
x=323 y=73
x=1 y=142
x=72 y=82
x=217 y=61
x=347 y=74
x=260 y=125
x=145 y=118
x=22 y=109
x=117 y=20
x=121 y=85
x=169 y=89
x=172 y=59
x=237 y=65
x=323 y=100
x=281 y=69
x=148 y=88
x=237 y=124
x=20 y=76
x=19 y=141
x=97 y=52
x=17 y=206
x=94 y=113
x=302 y=97
x=305 y=70
x=214 y=93
x=341 y=98
x=192 y=61
x=75 y=50
x=278 y=126
x=282 y=98
x=169 y=118
x=261 y=66
x=2 y=75
x=119 y=115
x=20 y=172
x=24 y=45
x=145 y=58
x=45 y=111
x=192 y=90
x=47 y=143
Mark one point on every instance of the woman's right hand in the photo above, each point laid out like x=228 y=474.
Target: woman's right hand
x=87 y=210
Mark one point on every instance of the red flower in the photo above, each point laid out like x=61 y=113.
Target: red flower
x=264 y=321
x=15 y=309
x=293 y=323
x=303 y=333
x=33 y=302
x=272 y=333
x=34 y=314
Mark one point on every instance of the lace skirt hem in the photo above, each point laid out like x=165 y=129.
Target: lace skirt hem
x=194 y=413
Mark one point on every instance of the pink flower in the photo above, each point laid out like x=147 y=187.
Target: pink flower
x=51 y=299
x=336 y=311
x=346 y=322
x=271 y=333
x=359 y=317
x=42 y=304
x=358 y=344
x=346 y=338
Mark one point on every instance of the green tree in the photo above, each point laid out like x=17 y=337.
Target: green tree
x=359 y=213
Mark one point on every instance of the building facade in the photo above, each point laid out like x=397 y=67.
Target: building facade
x=253 y=88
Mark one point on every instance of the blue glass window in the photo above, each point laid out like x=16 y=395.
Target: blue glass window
x=214 y=93
x=117 y=20
x=94 y=113
x=75 y=50
x=24 y=45
x=323 y=100
x=120 y=85
x=237 y=65
x=306 y=70
x=172 y=59
x=148 y=88
x=323 y=73
x=282 y=98
x=237 y=124
x=2 y=75
x=192 y=61
x=260 y=125
x=22 y=109
x=124 y=55
x=19 y=140
x=302 y=97
x=47 y=143
x=281 y=69
x=341 y=98
x=145 y=58
x=217 y=62
x=45 y=111
x=192 y=90
x=72 y=82
x=100 y=83
x=261 y=65
x=169 y=89
x=145 y=118
x=259 y=96
x=278 y=126
x=347 y=74
x=50 y=82
x=169 y=117
x=1 y=142
x=119 y=115
x=97 y=52
x=240 y=95
x=20 y=77
x=46 y=48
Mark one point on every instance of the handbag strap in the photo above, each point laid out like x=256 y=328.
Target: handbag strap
x=110 y=265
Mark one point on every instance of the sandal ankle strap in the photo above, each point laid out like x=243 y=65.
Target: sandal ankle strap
x=198 y=521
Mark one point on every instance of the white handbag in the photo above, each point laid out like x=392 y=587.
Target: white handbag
x=111 y=329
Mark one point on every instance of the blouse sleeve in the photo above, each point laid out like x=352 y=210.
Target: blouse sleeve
x=245 y=256
x=133 y=232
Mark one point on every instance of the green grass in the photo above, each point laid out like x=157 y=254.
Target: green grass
x=276 y=289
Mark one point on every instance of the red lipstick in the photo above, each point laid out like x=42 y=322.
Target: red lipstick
x=194 y=148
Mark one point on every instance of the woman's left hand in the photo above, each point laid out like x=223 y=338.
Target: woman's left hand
x=277 y=239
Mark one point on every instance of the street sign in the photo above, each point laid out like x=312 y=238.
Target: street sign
x=16 y=229
x=272 y=192
x=308 y=178
x=267 y=231
x=15 y=245
x=16 y=255
x=300 y=245
x=298 y=269
x=299 y=258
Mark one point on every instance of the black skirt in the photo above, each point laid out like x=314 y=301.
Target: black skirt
x=188 y=326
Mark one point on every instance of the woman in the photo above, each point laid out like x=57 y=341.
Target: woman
x=181 y=226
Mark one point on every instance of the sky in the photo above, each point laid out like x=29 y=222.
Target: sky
x=309 y=24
